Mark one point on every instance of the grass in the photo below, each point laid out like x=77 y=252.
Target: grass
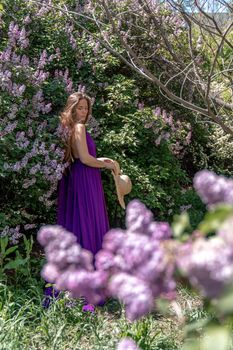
x=24 y=324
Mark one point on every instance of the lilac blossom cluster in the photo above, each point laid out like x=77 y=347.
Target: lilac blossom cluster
x=6 y=83
x=165 y=127
x=94 y=128
x=51 y=170
x=13 y=234
x=69 y=266
x=133 y=265
x=59 y=74
x=21 y=140
x=29 y=227
x=127 y=344
x=208 y=262
x=17 y=36
x=9 y=58
x=39 y=104
x=213 y=189
x=69 y=31
x=9 y=128
x=137 y=261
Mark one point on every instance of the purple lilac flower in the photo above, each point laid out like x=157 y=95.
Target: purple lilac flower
x=42 y=11
x=27 y=20
x=94 y=127
x=213 y=189
x=208 y=263
x=29 y=182
x=13 y=33
x=25 y=61
x=6 y=54
x=17 y=89
x=148 y=125
x=184 y=208
x=64 y=77
x=23 y=40
x=13 y=234
x=38 y=77
x=5 y=79
x=138 y=217
x=9 y=128
x=96 y=47
x=188 y=138
x=14 y=110
x=42 y=59
x=134 y=293
x=158 y=140
x=88 y=307
x=69 y=266
x=139 y=253
x=141 y=106
x=21 y=140
x=29 y=226
x=127 y=344
x=160 y=230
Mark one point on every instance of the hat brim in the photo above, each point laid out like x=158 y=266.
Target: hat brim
x=119 y=195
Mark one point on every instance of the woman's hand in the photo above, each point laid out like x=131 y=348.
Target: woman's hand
x=109 y=163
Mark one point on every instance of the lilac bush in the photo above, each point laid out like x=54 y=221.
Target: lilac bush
x=44 y=57
x=33 y=78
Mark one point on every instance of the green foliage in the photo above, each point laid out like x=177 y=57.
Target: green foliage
x=158 y=176
x=25 y=324
x=214 y=218
x=11 y=257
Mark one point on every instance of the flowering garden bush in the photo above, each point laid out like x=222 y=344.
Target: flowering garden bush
x=44 y=58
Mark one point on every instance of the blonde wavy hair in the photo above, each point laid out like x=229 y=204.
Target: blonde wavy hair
x=68 y=120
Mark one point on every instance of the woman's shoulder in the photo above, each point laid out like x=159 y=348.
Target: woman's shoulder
x=80 y=126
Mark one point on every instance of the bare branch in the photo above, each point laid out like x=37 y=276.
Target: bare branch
x=186 y=68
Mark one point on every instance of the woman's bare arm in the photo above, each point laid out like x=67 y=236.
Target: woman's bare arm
x=81 y=144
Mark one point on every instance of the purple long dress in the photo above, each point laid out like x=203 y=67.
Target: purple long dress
x=81 y=207
x=81 y=203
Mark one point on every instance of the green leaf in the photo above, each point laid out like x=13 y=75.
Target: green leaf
x=4 y=242
x=180 y=223
x=15 y=263
x=10 y=250
x=215 y=218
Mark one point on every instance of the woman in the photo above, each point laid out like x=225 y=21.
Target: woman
x=81 y=202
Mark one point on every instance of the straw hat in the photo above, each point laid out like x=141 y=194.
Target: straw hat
x=123 y=184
